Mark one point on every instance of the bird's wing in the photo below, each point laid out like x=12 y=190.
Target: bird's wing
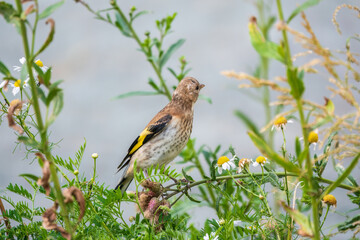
x=148 y=133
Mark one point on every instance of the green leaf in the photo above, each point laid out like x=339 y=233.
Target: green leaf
x=206 y=98
x=55 y=84
x=301 y=8
x=29 y=142
x=139 y=14
x=41 y=95
x=52 y=94
x=122 y=25
x=4 y=70
x=342 y=177
x=30 y=176
x=265 y=48
x=170 y=51
x=349 y=180
x=135 y=93
x=349 y=224
x=295 y=81
x=8 y=11
x=153 y=85
x=187 y=177
x=297 y=147
x=271 y=154
x=49 y=10
x=248 y=122
x=58 y=103
x=213 y=170
x=306 y=229
x=191 y=198
x=19 y=190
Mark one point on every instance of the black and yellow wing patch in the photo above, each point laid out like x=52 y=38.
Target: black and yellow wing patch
x=144 y=137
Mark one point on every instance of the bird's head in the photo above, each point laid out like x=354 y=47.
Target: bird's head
x=188 y=90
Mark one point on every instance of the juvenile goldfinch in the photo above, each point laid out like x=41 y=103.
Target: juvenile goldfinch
x=165 y=135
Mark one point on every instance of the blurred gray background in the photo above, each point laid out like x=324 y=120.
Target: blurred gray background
x=98 y=63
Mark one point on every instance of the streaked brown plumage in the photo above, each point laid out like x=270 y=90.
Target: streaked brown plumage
x=165 y=135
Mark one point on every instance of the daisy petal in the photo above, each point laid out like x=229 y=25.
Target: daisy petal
x=232 y=165
x=15 y=90
x=22 y=60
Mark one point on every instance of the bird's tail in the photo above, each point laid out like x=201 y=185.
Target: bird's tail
x=124 y=182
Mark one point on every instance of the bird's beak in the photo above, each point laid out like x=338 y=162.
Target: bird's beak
x=201 y=86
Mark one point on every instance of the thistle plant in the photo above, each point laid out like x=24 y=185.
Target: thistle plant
x=281 y=193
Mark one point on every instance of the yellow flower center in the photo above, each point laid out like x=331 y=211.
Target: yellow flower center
x=313 y=137
x=222 y=160
x=280 y=121
x=17 y=83
x=330 y=200
x=260 y=159
x=39 y=63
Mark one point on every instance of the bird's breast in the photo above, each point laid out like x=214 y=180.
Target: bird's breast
x=164 y=147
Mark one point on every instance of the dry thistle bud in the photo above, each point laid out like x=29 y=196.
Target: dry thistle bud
x=155 y=187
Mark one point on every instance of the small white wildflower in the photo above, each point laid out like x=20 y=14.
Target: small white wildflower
x=280 y=123
x=94 y=155
x=37 y=62
x=17 y=85
x=225 y=163
x=260 y=160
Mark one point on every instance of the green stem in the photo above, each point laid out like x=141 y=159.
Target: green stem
x=264 y=200
x=327 y=211
x=202 y=173
x=35 y=26
x=102 y=223
x=40 y=125
x=308 y=164
x=137 y=39
x=279 y=174
x=286 y=187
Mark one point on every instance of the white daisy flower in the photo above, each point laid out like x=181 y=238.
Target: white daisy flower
x=260 y=160
x=211 y=237
x=280 y=123
x=37 y=62
x=225 y=163
x=17 y=85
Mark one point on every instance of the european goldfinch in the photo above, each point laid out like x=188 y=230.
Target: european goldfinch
x=165 y=135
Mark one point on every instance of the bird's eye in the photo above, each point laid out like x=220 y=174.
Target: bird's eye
x=197 y=87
